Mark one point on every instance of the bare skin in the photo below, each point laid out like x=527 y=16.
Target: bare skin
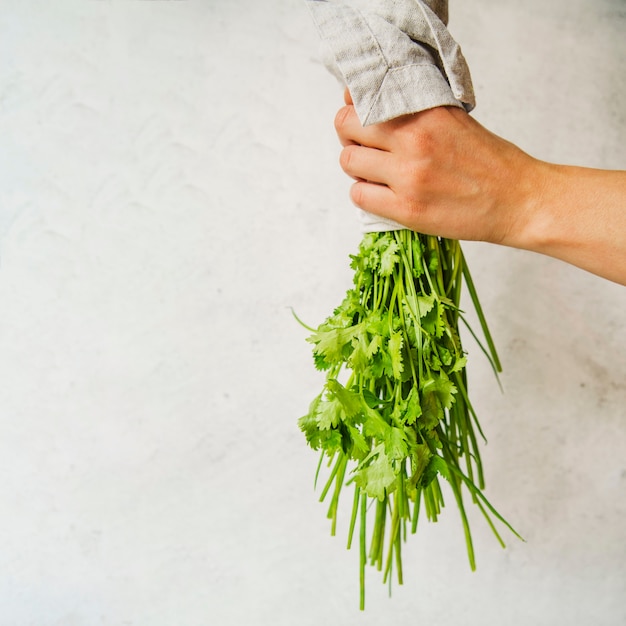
x=440 y=172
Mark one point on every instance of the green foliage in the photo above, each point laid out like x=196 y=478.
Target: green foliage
x=402 y=416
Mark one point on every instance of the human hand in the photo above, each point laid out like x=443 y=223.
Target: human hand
x=440 y=172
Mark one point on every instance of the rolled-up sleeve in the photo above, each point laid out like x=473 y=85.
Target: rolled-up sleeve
x=395 y=56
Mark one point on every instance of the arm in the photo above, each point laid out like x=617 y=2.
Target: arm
x=440 y=172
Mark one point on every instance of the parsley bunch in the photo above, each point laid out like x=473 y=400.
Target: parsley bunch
x=394 y=414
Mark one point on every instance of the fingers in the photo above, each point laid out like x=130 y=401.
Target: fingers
x=350 y=131
x=373 y=198
x=366 y=157
x=368 y=164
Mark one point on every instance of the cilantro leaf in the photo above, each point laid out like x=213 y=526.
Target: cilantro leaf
x=329 y=414
x=333 y=343
x=413 y=409
x=436 y=465
x=458 y=365
x=419 y=461
x=360 y=357
x=360 y=446
x=443 y=388
x=377 y=477
x=350 y=402
x=374 y=425
x=396 y=443
x=431 y=411
x=389 y=258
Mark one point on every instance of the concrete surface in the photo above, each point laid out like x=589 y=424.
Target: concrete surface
x=169 y=188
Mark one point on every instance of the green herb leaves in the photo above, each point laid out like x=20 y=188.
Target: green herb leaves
x=395 y=402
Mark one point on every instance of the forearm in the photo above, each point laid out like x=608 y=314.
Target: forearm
x=577 y=215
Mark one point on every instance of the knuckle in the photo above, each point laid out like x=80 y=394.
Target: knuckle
x=414 y=194
x=416 y=210
x=413 y=213
x=417 y=175
x=424 y=140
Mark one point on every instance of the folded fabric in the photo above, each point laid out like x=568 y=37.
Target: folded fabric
x=395 y=56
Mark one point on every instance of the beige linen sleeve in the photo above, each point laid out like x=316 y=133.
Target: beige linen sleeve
x=395 y=56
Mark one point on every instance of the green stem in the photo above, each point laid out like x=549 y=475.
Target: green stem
x=416 y=511
x=363 y=551
x=332 y=509
x=355 y=510
x=481 y=316
x=333 y=473
x=378 y=536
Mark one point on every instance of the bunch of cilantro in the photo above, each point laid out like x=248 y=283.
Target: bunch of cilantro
x=394 y=417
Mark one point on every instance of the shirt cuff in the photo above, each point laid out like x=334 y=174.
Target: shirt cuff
x=395 y=57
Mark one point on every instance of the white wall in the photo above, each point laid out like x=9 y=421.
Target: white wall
x=169 y=188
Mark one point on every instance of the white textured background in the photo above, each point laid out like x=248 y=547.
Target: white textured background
x=169 y=187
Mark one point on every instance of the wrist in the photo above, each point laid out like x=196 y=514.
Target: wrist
x=515 y=189
x=574 y=214
x=525 y=199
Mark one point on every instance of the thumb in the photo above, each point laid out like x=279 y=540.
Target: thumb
x=347 y=97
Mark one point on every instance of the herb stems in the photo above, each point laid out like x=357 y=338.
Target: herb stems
x=394 y=413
